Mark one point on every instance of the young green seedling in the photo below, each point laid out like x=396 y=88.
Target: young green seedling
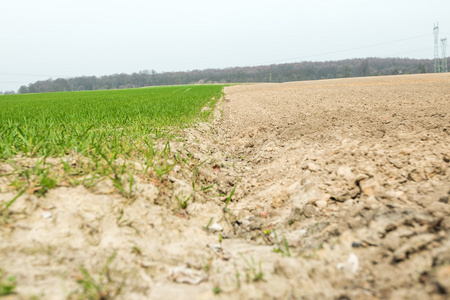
x=225 y=209
x=183 y=203
x=253 y=274
x=285 y=251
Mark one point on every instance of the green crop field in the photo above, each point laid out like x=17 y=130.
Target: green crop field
x=52 y=124
x=96 y=129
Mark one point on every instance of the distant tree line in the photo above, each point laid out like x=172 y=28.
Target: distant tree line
x=270 y=73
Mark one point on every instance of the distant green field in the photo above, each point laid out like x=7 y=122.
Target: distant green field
x=53 y=124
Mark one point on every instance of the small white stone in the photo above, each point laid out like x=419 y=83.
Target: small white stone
x=46 y=215
x=215 y=227
x=351 y=265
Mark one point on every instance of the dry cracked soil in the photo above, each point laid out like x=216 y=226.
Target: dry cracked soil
x=331 y=189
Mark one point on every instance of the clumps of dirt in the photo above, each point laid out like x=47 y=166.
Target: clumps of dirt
x=333 y=189
x=355 y=176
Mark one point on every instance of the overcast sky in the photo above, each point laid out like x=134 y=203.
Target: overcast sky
x=68 y=38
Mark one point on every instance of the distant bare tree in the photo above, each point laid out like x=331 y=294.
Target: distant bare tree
x=364 y=69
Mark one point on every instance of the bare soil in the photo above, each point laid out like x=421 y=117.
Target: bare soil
x=341 y=191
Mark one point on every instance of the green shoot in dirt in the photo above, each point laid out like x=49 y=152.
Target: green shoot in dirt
x=4 y=209
x=217 y=290
x=183 y=203
x=285 y=251
x=209 y=224
x=225 y=209
x=252 y=273
x=102 y=288
x=37 y=179
x=237 y=277
x=7 y=285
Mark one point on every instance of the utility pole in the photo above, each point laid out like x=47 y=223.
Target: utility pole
x=436 y=48
x=444 y=56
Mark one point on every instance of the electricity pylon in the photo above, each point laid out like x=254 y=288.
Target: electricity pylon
x=436 y=48
x=444 y=56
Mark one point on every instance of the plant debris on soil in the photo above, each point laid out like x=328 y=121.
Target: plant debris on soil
x=331 y=189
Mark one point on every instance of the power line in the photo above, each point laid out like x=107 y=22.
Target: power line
x=410 y=51
x=341 y=51
x=30 y=75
